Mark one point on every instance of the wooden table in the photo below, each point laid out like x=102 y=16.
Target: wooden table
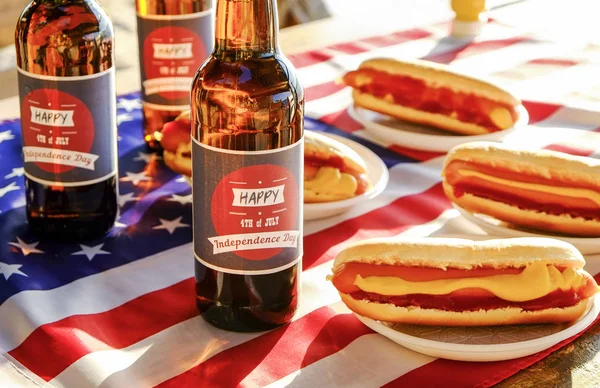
x=577 y=364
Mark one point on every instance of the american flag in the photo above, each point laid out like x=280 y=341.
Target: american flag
x=120 y=311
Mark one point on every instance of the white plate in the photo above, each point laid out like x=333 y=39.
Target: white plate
x=490 y=225
x=424 y=137
x=378 y=175
x=482 y=344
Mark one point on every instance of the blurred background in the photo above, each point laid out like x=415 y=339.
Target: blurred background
x=573 y=20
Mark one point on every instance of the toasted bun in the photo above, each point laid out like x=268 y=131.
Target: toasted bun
x=440 y=75
x=409 y=114
x=565 y=224
x=177 y=161
x=544 y=163
x=503 y=316
x=445 y=253
x=320 y=147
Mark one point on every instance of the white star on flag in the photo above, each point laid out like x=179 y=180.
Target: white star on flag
x=136 y=178
x=182 y=199
x=91 y=252
x=6 y=135
x=170 y=226
x=129 y=105
x=143 y=157
x=124 y=198
x=10 y=269
x=123 y=118
x=7 y=189
x=181 y=179
x=27 y=249
x=16 y=172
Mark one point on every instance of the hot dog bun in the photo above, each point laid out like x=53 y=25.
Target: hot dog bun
x=498 y=180
x=332 y=170
x=431 y=94
x=176 y=142
x=459 y=282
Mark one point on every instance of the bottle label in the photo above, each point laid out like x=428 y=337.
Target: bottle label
x=248 y=208
x=172 y=48
x=69 y=128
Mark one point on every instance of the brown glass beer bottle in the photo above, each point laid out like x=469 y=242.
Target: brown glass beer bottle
x=174 y=37
x=247 y=155
x=68 y=117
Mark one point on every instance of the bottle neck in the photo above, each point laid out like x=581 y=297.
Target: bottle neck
x=246 y=25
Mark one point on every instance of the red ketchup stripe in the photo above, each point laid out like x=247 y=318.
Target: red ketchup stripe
x=388 y=220
x=276 y=354
x=468 y=374
x=473 y=49
x=323 y=90
x=117 y=328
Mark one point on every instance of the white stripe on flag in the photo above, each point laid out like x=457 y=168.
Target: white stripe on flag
x=180 y=347
x=369 y=361
x=21 y=314
x=405 y=179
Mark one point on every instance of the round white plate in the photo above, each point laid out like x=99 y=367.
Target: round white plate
x=490 y=225
x=378 y=175
x=424 y=137
x=482 y=344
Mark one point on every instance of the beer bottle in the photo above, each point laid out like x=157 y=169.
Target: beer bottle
x=66 y=81
x=247 y=155
x=174 y=37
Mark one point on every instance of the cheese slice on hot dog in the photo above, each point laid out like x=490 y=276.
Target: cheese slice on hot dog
x=456 y=282
x=544 y=190
x=432 y=94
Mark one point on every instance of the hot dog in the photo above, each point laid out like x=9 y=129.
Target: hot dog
x=431 y=94
x=176 y=142
x=332 y=171
x=458 y=282
x=544 y=190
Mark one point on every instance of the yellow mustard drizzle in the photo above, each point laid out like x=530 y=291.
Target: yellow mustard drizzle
x=329 y=181
x=536 y=280
x=573 y=192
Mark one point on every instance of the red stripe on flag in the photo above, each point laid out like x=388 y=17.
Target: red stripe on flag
x=309 y=58
x=347 y=48
x=318 y=56
x=323 y=90
x=569 y=150
x=117 y=328
x=397 y=37
x=342 y=120
x=469 y=374
x=388 y=220
x=563 y=62
x=473 y=49
x=416 y=154
x=277 y=353
x=539 y=111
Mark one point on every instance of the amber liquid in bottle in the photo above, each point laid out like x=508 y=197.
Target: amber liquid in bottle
x=155 y=115
x=246 y=97
x=68 y=39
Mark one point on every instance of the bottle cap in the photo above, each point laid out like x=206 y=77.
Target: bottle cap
x=467 y=29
